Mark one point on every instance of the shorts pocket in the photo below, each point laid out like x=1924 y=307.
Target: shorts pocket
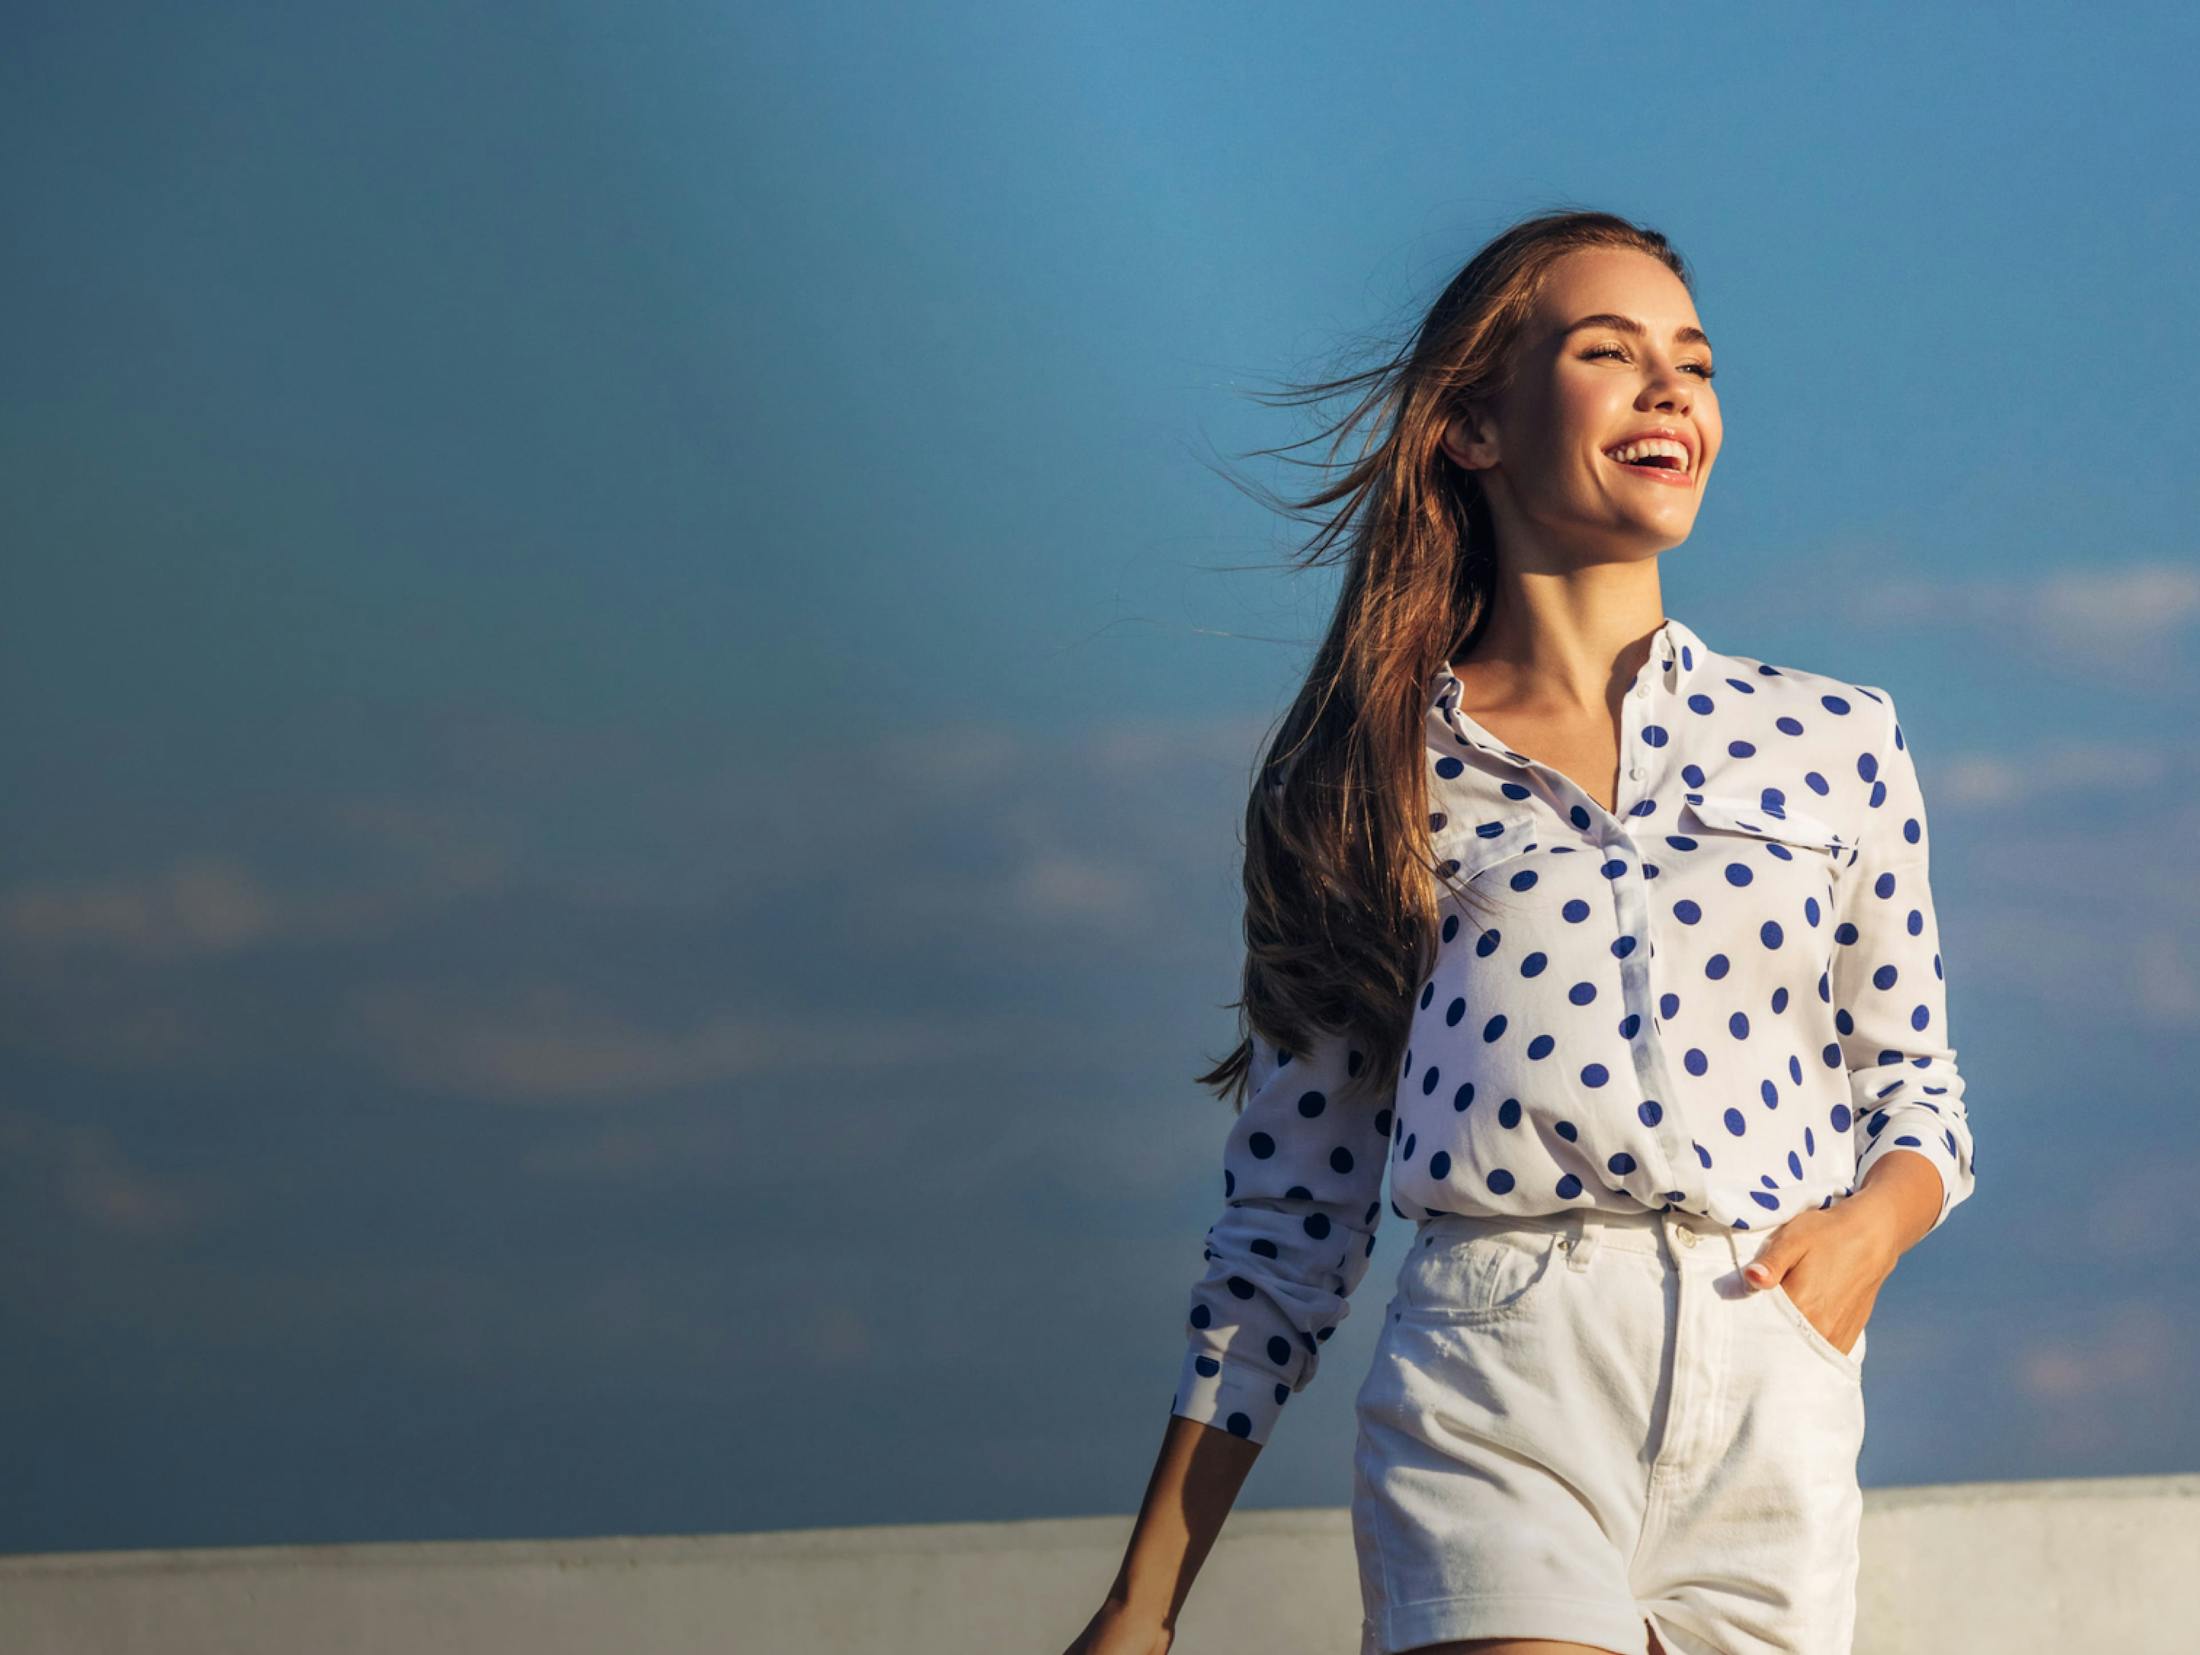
x=1850 y=1363
x=1479 y=1275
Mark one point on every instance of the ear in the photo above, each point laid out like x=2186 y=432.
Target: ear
x=1469 y=441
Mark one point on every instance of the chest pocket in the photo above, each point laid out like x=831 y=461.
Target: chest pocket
x=1825 y=844
x=1467 y=848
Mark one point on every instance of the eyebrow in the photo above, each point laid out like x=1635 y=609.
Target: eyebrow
x=1627 y=324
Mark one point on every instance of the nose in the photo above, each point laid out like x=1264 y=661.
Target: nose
x=1671 y=391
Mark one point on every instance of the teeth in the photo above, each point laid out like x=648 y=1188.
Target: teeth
x=1654 y=445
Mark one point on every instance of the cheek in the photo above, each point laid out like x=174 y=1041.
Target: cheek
x=1710 y=425
x=1580 y=417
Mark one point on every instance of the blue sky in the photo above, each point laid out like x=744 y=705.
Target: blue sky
x=631 y=686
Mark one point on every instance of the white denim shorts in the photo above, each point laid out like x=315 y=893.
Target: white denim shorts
x=1582 y=1422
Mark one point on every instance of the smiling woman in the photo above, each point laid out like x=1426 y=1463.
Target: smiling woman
x=1616 y=951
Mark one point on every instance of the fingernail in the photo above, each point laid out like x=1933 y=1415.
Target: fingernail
x=1758 y=1274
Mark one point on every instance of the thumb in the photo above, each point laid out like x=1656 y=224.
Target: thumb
x=1767 y=1267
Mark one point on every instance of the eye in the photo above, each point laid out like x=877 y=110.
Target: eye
x=1704 y=368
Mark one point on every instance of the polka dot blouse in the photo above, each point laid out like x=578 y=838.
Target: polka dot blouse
x=1725 y=998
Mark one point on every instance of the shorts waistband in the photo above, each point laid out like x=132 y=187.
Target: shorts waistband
x=1687 y=1237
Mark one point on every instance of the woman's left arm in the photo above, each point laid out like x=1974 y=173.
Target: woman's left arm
x=1890 y=997
x=1907 y=1117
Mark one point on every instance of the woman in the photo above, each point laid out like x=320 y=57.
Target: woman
x=1618 y=949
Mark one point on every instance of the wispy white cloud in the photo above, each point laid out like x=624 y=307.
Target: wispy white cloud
x=2096 y=613
x=206 y=905
x=2056 y=770
x=98 y=1183
x=932 y=863
x=551 y=1044
x=1085 y=891
x=2086 y=1384
x=195 y=907
x=2145 y=1214
x=2127 y=623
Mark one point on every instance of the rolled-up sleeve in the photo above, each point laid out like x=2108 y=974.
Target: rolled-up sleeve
x=1889 y=990
x=1302 y=1196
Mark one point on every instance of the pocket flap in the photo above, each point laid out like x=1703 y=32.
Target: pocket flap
x=1781 y=822
x=1466 y=845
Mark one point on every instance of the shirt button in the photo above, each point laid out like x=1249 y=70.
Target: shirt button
x=1635 y=773
x=1688 y=1238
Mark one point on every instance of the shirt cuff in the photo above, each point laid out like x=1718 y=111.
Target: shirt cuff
x=1921 y=1132
x=1242 y=1400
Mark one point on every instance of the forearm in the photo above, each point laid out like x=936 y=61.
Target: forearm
x=1903 y=1193
x=1195 y=1481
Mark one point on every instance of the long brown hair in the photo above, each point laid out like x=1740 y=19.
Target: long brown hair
x=1340 y=902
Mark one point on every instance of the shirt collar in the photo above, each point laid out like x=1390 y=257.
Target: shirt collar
x=1676 y=655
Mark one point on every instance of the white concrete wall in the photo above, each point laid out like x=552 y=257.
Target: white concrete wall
x=2100 y=1567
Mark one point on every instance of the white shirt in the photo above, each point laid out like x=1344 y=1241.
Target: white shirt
x=1725 y=997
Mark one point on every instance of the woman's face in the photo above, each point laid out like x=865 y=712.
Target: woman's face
x=1543 y=451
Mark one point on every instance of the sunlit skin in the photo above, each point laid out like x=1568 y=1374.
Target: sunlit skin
x=1562 y=509
x=1576 y=600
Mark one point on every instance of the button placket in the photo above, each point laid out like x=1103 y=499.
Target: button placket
x=1669 y=1140
x=1631 y=897
x=1630 y=752
x=1642 y=694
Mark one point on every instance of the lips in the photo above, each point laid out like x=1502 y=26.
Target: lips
x=1669 y=476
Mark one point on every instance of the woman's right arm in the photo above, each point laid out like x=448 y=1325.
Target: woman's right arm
x=1195 y=1482
x=1302 y=1195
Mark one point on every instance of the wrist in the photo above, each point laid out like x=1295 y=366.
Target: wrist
x=1880 y=1218
x=1905 y=1196
x=1145 y=1585
x=1147 y=1608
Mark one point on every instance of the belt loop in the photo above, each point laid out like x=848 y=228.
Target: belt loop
x=1582 y=1236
